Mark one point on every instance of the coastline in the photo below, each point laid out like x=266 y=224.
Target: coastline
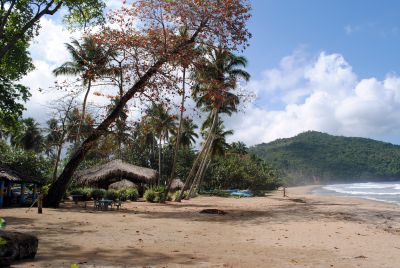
x=302 y=230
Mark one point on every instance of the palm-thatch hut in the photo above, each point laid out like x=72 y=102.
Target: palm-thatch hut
x=177 y=184
x=9 y=178
x=114 y=171
x=122 y=184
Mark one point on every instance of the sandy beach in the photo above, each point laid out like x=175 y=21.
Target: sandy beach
x=302 y=230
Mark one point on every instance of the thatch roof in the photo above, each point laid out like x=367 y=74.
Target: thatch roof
x=11 y=175
x=116 y=170
x=122 y=184
x=177 y=184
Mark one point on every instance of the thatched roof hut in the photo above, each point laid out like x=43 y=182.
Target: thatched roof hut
x=122 y=184
x=14 y=176
x=177 y=184
x=113 y=171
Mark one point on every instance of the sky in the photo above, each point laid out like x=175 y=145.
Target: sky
x=331 y=66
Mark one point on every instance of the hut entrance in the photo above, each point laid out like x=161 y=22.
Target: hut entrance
x=17 y=189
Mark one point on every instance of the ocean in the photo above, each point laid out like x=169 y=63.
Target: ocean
x=388 y=192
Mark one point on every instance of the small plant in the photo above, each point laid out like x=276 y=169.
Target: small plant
x=98 y=193
x=150 y=195
x=112 y=194
x=132 y=194
x=122 y=194
x=83 y=192
x=2 y=226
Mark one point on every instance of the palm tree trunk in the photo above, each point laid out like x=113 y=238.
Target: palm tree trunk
x=159 y=161
x=78 y=134
x=201 y=168
x=198 y=158
x=197 y=188
x=178 y=141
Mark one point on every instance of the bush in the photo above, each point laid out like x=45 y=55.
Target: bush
x=128 y=194
x=112 y=194
x=98 y=193
x=132 y=194
x=84 y=192
x=150 y=195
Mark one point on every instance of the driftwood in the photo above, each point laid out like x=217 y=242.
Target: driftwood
x=18 y=246
x=213 y=211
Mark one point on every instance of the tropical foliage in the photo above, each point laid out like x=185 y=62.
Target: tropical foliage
x=314 y=157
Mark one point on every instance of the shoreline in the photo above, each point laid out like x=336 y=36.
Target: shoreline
x=309 y=190
x=302 y=230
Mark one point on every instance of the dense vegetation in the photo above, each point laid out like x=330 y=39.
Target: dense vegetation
x=318 y=157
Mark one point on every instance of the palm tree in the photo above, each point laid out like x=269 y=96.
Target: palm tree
x=215 y=76
x=30 y=138
x=89 y=60
x=162 y=124
x=238 y=148
x=188 y=134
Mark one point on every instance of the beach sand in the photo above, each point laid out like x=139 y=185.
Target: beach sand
x=302 y=230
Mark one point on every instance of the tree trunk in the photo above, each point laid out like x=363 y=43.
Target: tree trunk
x=178 y=141
x=57 y=161
x=202 y=165
x=78 y=134
x=59 y=187
x=197 y=188
x=198 y=158
x=159 y=161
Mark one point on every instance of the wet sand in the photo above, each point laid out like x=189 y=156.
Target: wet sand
x=302 y=230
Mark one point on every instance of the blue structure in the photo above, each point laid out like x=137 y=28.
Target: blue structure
x=13 y=187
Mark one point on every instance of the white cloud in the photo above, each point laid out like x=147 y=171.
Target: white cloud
x=350 y=29
x=324 y=94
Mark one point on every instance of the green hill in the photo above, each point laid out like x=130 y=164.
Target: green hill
x=313 y=156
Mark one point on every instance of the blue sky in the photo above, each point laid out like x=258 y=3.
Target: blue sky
x=330 y=66
x=365 y=32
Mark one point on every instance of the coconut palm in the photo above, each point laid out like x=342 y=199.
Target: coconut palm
x=29 y=137
x=89 y=60
x=215 y=76
x=162 y=124
x=188 y=134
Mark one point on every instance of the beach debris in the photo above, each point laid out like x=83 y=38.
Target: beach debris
x=298 y=200
x=213 y=211
x=361 y=257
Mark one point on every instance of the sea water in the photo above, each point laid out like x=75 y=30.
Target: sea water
x=379 y=191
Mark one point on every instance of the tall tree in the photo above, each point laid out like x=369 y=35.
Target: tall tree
x=216 y=75
x=19 y=24
x=162 y=124
x=30 y=137
x=89 y=61
x=157 y=46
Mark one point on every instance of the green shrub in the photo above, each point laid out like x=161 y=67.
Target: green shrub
x=84 y=192
x=132 y=194
x=122 y=194
x=98 y=193
x=112 y=194
x=150 y=195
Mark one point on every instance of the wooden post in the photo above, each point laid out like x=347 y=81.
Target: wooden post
x=284 y=191
x=1 y=193
x=40 y=203
x=22 y=198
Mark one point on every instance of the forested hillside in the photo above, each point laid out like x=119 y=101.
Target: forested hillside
x=318 y=157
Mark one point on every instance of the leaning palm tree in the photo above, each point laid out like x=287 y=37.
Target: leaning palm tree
x=218 y=147
x=215 y=76
x=89 y=60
